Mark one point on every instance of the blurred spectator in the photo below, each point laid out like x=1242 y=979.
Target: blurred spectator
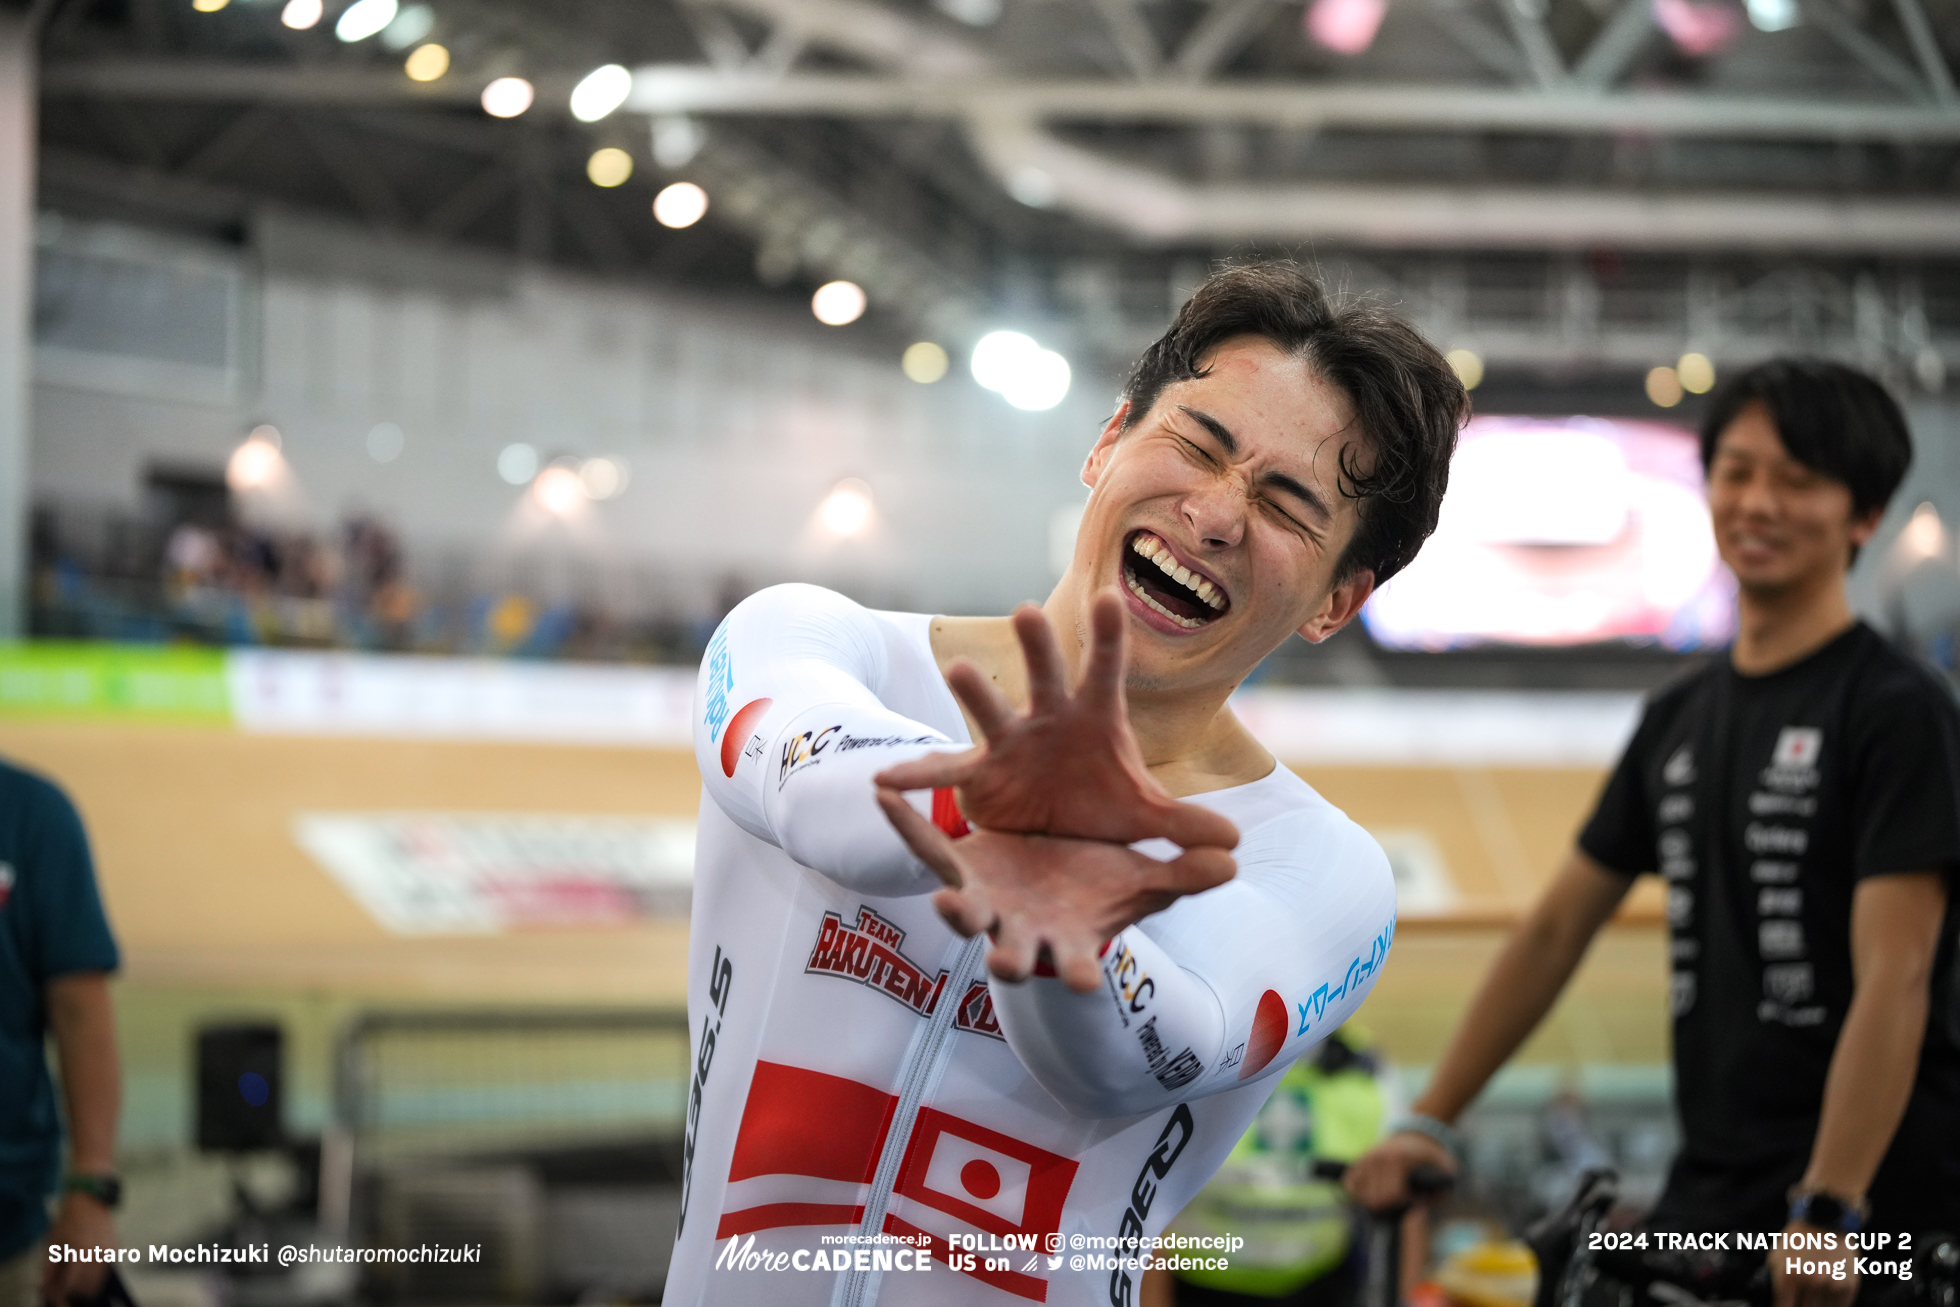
x=1302 y=1243
x=56 y=954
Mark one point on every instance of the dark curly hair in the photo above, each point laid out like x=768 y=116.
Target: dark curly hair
x=1407 y=402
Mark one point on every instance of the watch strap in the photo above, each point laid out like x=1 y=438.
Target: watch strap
x=1827 y=1211
x=1431 y=1127
x=104 y=1187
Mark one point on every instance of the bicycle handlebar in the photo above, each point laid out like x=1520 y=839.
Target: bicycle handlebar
x=1424 y=1181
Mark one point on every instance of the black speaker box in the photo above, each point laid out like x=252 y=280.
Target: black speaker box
x=238 y=1088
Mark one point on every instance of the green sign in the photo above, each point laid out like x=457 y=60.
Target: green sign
x=60 y=678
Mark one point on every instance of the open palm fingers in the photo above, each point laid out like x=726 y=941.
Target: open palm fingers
x=1189 y=827
x=926 y=840
x=934 y=771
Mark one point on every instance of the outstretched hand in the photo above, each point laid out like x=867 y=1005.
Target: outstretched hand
x=1042 y=894
x=1070 y=765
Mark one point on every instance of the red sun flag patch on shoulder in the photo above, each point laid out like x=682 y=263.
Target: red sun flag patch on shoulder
x=747 y=718
x=1268 y=1033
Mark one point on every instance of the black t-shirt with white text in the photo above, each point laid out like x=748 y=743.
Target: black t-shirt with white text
x=1764 y=801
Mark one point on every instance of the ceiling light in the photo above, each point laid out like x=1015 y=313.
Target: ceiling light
x=846 y=510
x=409 y=27
x=924 y=362
x=385 y=443
x=269 y=434
x=427 y=63
x=1664 y=387
x=507 y=97
x=838 y=303
x=559 y=491
x=1041 y=384
x=680 y=205
x=600 y=92
x=1344 y=26
x=609 y=167
x=602 y=478
x=676 y=140
x=517 y=464
x=209 y=6
x=254 y=464
x=1696 y=29
x=1924 y=535
x=974 y=13
x=301 y=14
x=1033 y=187
x=997 y=355
x=1696 y=372
x=1026 y=375
x=364 y=18
x=1469 y=368
x=1773 y=15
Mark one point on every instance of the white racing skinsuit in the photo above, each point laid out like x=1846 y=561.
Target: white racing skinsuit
x=859 y=1084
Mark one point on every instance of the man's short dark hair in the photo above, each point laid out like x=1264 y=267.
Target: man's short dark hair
x=1833 y=419
x=1407 y=402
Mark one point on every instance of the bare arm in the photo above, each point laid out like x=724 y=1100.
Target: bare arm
x=84 y=1027
x=1895 y=933
x=1523 y=983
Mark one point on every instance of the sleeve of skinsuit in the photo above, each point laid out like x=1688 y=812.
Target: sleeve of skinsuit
x=1222 y=987
x=789 y=731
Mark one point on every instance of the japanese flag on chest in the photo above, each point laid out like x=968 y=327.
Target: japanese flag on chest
x=1797 y=746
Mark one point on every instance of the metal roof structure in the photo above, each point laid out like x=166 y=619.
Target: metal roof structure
x=1571 y=187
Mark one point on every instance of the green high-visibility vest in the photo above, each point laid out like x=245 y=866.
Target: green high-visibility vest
x=1296 y=1228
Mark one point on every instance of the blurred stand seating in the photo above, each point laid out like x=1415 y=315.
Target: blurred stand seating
x=186 y=568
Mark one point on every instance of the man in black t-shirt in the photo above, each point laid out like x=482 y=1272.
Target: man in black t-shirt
x=1801 y=798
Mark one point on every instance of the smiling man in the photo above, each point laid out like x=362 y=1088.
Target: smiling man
x=1802 y=799
x=885 y=1108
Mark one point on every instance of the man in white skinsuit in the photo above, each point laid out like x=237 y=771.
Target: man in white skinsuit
x=885 y=1109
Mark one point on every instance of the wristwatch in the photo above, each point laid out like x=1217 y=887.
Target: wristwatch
x=104 y=1187
x=1826 y=1211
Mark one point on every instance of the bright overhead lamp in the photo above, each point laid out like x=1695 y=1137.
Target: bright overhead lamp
x=924 y=362
x=507 y=97
x=838 y=303
x=846 y=510
x=609 y=167
x=559 y=491
x=1664 y=387
x=364 y=18
x=209 y=6
x=301 y=14
x=1697 y=373
x=600 y=92
x=1344 y=26
x=680 y=205
x=603 y=478
x=411 y=25
x=426 y=63
x=1026 y=375
x=517 y=464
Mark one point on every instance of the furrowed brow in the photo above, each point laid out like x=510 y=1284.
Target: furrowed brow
x=1219 y=431
x=1305 y=494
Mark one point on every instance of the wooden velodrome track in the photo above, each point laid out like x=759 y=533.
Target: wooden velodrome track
x=218 y=909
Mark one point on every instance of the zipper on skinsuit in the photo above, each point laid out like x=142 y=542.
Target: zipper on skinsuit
x=922 y=1071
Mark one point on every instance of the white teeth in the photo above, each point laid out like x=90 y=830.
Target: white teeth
x=1188 y=623
x=1148 y=546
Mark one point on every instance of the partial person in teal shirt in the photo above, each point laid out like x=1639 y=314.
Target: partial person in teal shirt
x=56 y=954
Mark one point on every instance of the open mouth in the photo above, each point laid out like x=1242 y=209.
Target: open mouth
x=1154 y=575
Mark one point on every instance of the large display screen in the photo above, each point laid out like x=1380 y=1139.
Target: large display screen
x=1562 y=532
